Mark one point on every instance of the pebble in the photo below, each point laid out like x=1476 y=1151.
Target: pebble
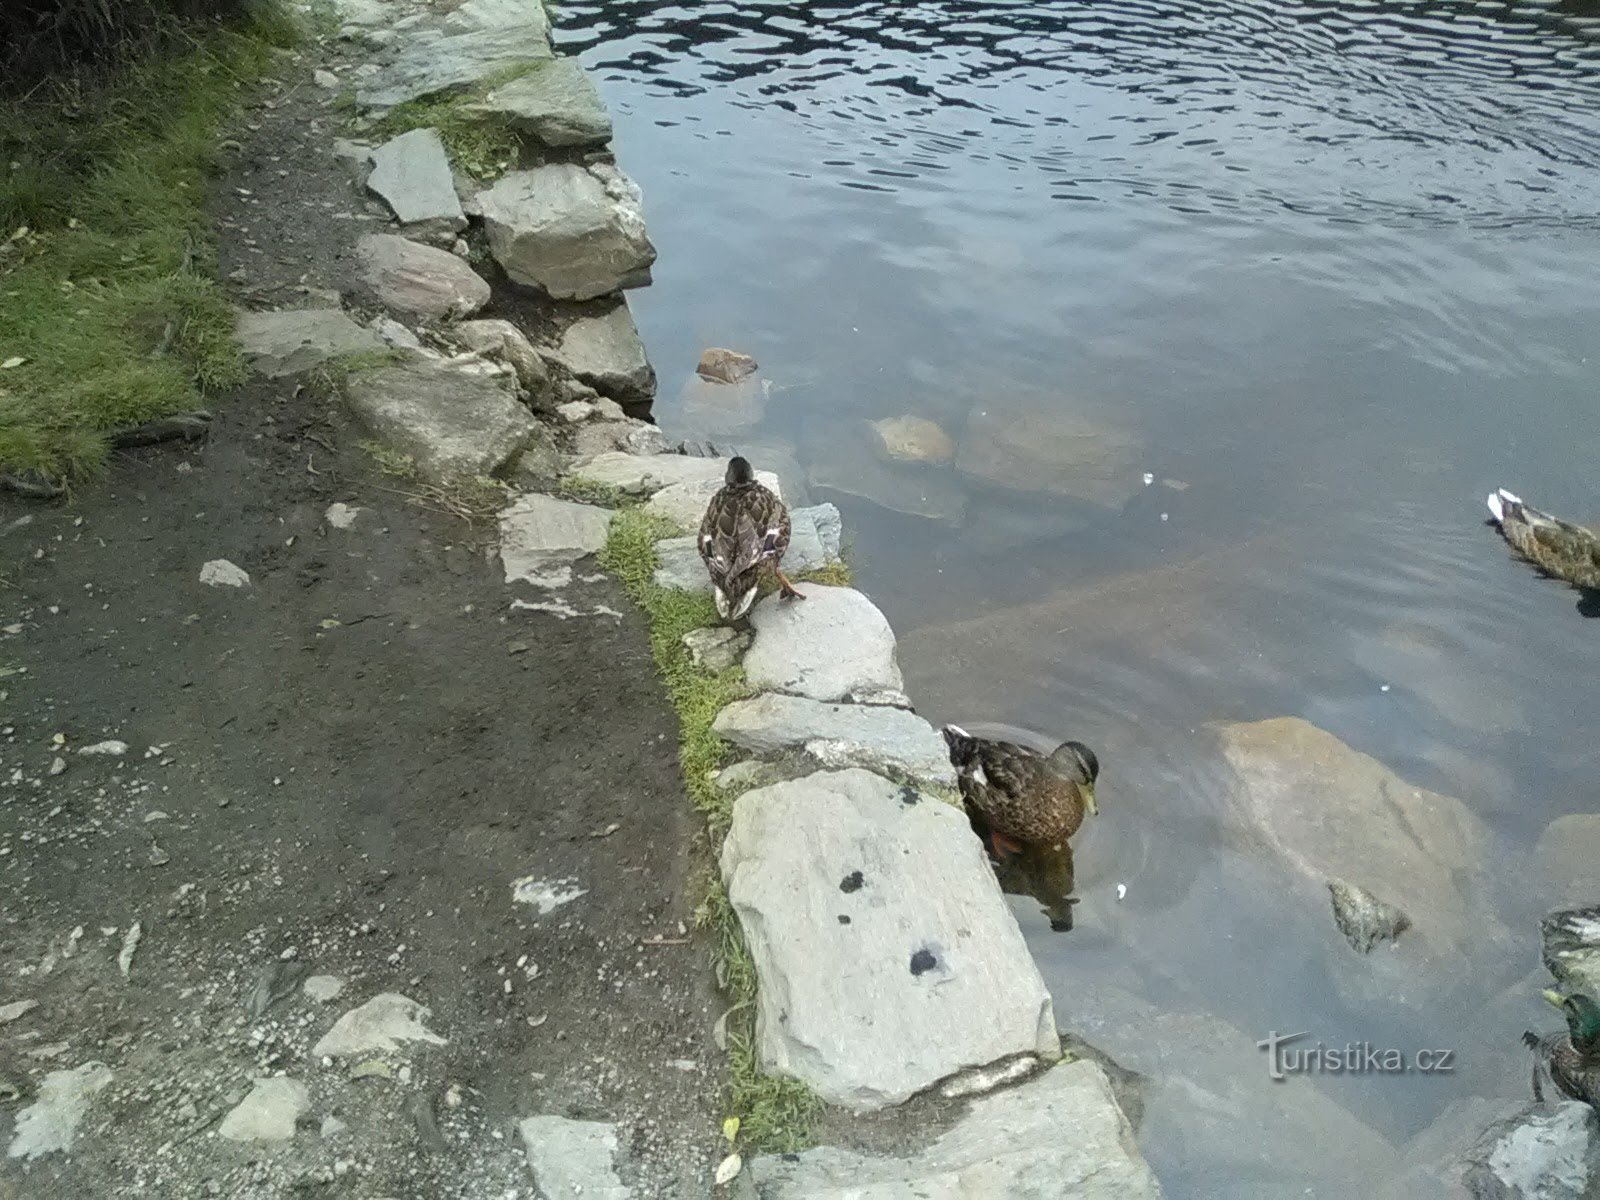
x=109 y=749
x=57 y=765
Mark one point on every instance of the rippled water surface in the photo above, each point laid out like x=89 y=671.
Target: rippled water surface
x=1328 y=273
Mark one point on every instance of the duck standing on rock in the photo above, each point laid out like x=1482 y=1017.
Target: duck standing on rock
x=743 y=535
x=1571 y=1059
x=1021 y=796
x=1557 y=547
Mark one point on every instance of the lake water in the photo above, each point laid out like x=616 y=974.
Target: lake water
x=1328 y=272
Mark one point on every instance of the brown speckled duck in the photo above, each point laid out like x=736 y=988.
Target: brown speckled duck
x=743 y=535
x=1557 y=547
x=1021 y=796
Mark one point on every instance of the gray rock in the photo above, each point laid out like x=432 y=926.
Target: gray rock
x=574 y=232
x=541 y=537
x=268 y=1113
x=573 y=1158
x=50 y=1124
x=479 y=39
x=323 y=989
x=627 y=435
x=412 y=175
x=720 y=365
x=555 y=102
x=1571 y=947
x=876 y=737
x=1058 y=1136
x=219 y=572
x=814 y=542
x=419 y=280
x=716 y=648
x=397 y=335
x=294 y=340
x=927 y=941
x=1364 y=919
x=833 y=645
x=356 y=153
x=504 y=341
x=1054 y=451
x=452 y=423
x=377 y=1027
x=606 y=352
x=753 y=773
x=538 y=467
x=645 y=475
x=1541 y=1154
x=681 y=565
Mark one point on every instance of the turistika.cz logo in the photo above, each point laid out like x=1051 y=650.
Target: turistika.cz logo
x=1353 y=1058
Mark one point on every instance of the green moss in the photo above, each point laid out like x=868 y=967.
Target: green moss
x=834 y=574
x=776 y=1113
x=480 y=143
x=587 y=491
x=106 y=287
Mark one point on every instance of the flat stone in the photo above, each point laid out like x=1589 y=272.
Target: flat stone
x=645 y=475
x=539 y=465
x=219 y=572
x=479 y=39
x=555 y=102
x=412 y=175
x=504 y=341
x=1570 y=947
x=50 y=1124
x=628 y=435
x=340 y=515
x=876 y=737
x=1054 y=451
x=816 y=537
x=833 y=645
x=323 y=989
x=929 y=945
x=574 y=232
x=377 y=1027
x=268 y=1113
x=913 y=439
x=840 y=456
x=606 y=353
x=720 y=365
x=294 y=340
x=714 y=649
x=681 y=565
x=542 y=536
x=1541 y=1154
x=1058 y=1136
x=452 y=423
x=573 y=1158
x=419 y=280
x=546 y=895
x=357 y=153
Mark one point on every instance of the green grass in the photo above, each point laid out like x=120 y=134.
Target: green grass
x=775 y=1113
x=481 y=144
x=106 y=288
x=587 y=491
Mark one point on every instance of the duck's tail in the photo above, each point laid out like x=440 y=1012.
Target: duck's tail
x=1503 y=505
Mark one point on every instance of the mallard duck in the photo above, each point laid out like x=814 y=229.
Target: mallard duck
x=1571 y=1059
x=1023 y=796
x=744 y=534
x=1556 y=547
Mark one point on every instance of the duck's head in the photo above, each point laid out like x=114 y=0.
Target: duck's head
x=739 y=471
x=1076 y=762
x=1583 y=1018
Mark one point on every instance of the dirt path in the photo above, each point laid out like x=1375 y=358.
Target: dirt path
x=354 y=800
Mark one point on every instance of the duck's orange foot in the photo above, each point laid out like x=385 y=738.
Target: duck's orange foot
x=786 y=589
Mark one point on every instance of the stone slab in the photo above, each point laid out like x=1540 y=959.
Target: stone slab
x=874 y=736
x=833 y=645
x=453 y=423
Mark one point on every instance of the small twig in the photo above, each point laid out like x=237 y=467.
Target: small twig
x=658 y=940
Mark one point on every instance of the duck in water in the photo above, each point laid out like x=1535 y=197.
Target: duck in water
x=1557 y=547
x=1571 y=1059
x=742 y=537
x=1021 y=796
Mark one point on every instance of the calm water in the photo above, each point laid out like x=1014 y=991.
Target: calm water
x=1329 y=269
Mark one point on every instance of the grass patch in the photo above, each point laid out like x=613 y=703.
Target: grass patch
x=775 y=1113
x=480 y=143
x=106 y=288
x=834 y=574
x=476 y=499
x=587 y=491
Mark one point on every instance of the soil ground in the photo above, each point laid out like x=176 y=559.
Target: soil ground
x=353 y=799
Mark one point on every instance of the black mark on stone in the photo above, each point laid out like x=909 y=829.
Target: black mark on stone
x=908 y=795
x=923 y=960
x=852 y=882
x=843 y=920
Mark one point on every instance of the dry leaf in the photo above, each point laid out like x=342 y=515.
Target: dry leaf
x=729 y=1168
x=730 y=1128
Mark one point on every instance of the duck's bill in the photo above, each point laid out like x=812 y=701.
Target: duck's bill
x=1555 y=998
x=1089 y=800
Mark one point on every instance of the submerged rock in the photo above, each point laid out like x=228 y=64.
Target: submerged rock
x=841 y=457
x=834 y=646
x=920 y=939
x=1055 y=451
x=573 y=1158
x=1571 y=947
x=574 y=232
x=479 y=39
x=1060 y=1135
x=419 y=280
x=606 y=352
x=1540 y=1154
x=1364 y=919
x=874 y=736
x=294 y=340
x=913 y=439
x=555 y=102
x=412 y=175
x=1569 y=856
x=717 y=409
x=542 y=536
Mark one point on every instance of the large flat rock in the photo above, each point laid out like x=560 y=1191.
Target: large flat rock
x=542 y=536
x=814 y=541
x=1058 y=1137
x=685 y=504
x=453 y=423
x=606 y=353
x=1058 y=451
x=886 y=955
x=574 y=232
x=268 y=1113
x=833 y=645
x=873 y=736
x=480 y=39
x=573 y=1158
x=412 y=175
x=294 y=340
x=50 y=1124
x=555 y=102
x=417 y=280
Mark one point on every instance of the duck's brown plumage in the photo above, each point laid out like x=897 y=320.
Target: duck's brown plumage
x=1020 y=794
x=744 y=533
x=1558 y=547
x=1572 y=1058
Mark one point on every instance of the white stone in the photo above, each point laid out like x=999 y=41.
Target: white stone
x=606 y=352
x=574 y=232
x=268 y=1113
x=556 y=102
x=219 y=572
x=930 y=976
x=111 y=748
x=479 y=39
x=50 y=1123
x=573 y=1158
x=875 y=736
x=15 y=1010
x=377 y=1027
x=341 y=515
x=1059 y=1137
x=546 y=895
x=412 y=174
x=397 y=335
x=294 y=340
x=419 y=280
x=833 y=645
x=541 y=537
x=322 y=989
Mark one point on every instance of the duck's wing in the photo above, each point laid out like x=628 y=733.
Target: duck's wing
x=730 y=540
x=1008 y=770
